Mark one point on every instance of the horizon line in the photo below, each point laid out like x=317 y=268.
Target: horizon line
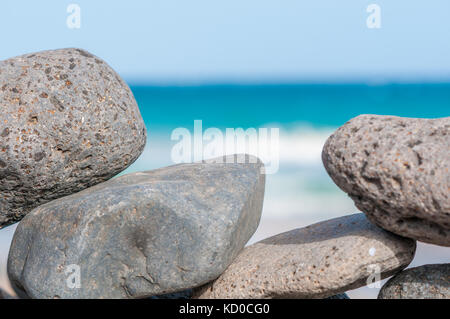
x=153 y=83
x=250 y=81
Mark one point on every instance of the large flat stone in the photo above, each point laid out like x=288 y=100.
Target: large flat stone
x=318 y=261
x=424 y=282
x=397 y=172
x=140 y=234
x=67 y=122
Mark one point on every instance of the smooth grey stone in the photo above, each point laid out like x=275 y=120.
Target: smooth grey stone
x=340 y=296
x=67 y=122
x=424 y=282
x=397 y=172
x=141 y=234
x=314 y=262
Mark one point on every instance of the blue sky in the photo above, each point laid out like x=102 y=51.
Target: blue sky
x=179 y=41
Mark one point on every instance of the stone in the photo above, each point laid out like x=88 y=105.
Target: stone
x=397 y=172
x=314 y=262
x=424 y=282
x=67 y=122
x=141 y=234
x=340 y=296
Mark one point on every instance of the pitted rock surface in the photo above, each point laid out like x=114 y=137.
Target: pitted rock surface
x=318 y=261
x=67 y=122
x=397 y=171
x=424 y=282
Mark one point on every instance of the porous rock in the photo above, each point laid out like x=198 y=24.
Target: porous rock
x=424 y=282
x=317 y=261
x=67 y=122
x=397 y=172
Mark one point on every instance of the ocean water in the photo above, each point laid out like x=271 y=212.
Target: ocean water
x=300 y=192
x=316 y=105
x=305 y=115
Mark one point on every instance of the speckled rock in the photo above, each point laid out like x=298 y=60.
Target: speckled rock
x=397 y=172
x=424 y=282
x=141 y=234
x=67 y=122
x=317 y=261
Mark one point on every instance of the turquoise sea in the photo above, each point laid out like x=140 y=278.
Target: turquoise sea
x=305 y=114
x=317 y=105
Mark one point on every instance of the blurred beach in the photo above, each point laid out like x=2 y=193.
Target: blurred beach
x=300 y=192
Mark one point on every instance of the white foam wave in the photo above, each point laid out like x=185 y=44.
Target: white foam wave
x=300 y=146
x=303 y=145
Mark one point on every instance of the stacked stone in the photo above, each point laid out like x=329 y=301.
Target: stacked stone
x=397 y=172
x=317 y=261
x=69 y=124
x=139 y=235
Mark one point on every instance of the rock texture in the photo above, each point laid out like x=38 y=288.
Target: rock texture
x=317 y=261
x=140 y=234
x=424 y=282
x=67 y=122
x=397 y=172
